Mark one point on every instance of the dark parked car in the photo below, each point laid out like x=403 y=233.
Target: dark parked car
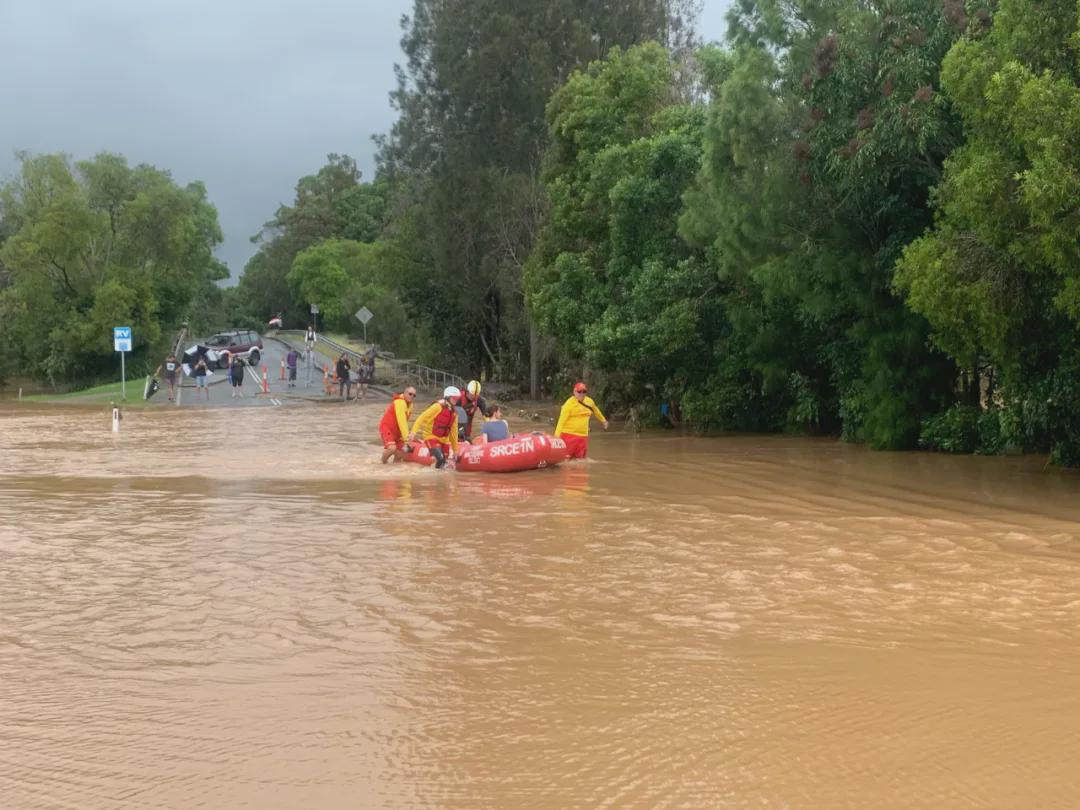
x=243 y=343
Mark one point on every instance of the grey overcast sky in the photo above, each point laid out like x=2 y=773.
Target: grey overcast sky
x=245 y=95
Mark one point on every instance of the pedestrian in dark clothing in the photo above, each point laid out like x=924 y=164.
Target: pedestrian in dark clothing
x=236 y=376
x=343 y=369
x=365 y=373
x=291 y=360
x=172 y=371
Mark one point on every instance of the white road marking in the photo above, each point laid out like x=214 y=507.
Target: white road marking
x=255 y=376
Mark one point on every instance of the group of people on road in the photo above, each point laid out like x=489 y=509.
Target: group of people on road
x=452 y=418
x=200 y=372
x=365 y=373
x=170 y=372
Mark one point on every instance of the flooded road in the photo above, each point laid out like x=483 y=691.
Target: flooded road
x=225 y=610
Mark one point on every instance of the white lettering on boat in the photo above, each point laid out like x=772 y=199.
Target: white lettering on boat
x=517 y=448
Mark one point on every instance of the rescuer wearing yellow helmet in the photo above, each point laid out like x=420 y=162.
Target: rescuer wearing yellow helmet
x=471 y=402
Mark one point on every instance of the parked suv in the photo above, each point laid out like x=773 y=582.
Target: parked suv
x=241 y=343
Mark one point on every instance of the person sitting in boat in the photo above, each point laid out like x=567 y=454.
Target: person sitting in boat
x=471 y=402
x=573 y=424
x=437 y=427
x=496 y=428
x=394 y=426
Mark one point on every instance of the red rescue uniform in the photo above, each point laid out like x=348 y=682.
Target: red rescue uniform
x=437 y=425
x=394 y=426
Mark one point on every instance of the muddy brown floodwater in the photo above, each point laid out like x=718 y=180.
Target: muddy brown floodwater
x=232 y=609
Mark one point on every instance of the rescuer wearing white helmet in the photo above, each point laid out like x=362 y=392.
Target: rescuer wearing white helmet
x=437 y=426
x=471 y=402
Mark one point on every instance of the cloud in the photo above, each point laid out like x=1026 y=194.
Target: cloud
x=245 y=95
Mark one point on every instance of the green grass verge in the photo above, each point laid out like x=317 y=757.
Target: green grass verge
x=109 y=392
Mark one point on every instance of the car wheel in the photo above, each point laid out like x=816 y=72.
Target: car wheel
x=253 y=358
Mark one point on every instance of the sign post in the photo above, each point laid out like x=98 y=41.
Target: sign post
x=364 y=315
x=122 y=343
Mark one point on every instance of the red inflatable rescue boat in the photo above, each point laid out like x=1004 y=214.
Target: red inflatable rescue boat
x=525 y=451
x=418 y=453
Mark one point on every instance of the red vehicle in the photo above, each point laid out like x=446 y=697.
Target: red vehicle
x=242 y=343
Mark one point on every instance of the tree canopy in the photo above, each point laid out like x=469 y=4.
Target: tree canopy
x=97 y=244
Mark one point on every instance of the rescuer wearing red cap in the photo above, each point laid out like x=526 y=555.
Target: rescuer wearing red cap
x=573 y=424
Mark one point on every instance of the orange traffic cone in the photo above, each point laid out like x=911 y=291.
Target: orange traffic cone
x=266 y=383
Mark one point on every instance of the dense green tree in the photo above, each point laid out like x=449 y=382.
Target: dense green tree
x=464 y=155
x=610 y=277
x=823 y=141
x=330 y=204
x=341 y=275
x=998 y=276
x=96 y=245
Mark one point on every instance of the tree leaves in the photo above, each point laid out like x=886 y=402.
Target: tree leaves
x=96 y=245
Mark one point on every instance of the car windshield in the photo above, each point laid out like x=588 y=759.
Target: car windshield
x=218 y=340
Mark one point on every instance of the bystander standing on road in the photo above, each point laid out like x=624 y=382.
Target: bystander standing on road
x=365 y=373
x=236 y=376
x=343 y=369
x=171 y=369
x=310 y=339
x=291 y=359
x=200 y=373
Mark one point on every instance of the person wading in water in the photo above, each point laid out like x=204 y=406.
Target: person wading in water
x=438 y=427
x=573 y=425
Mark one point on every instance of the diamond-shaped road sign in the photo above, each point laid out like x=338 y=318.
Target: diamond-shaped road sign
x=364 y=315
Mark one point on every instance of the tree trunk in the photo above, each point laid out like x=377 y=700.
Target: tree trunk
x=534 y=361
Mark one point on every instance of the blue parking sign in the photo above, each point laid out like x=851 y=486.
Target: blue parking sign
x=121 y=338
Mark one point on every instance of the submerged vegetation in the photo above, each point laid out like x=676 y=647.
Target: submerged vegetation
x=850 y=219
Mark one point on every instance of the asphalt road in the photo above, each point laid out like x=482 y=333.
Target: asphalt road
x=307 y=390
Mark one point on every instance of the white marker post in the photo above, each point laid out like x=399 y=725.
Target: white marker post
x=122 y=344
x=115 y=418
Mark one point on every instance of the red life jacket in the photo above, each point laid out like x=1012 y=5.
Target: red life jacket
x=444 y=420
x=470 y=406
x=389 y=419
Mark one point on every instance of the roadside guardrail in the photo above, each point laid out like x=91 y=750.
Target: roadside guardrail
x=411 y=372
